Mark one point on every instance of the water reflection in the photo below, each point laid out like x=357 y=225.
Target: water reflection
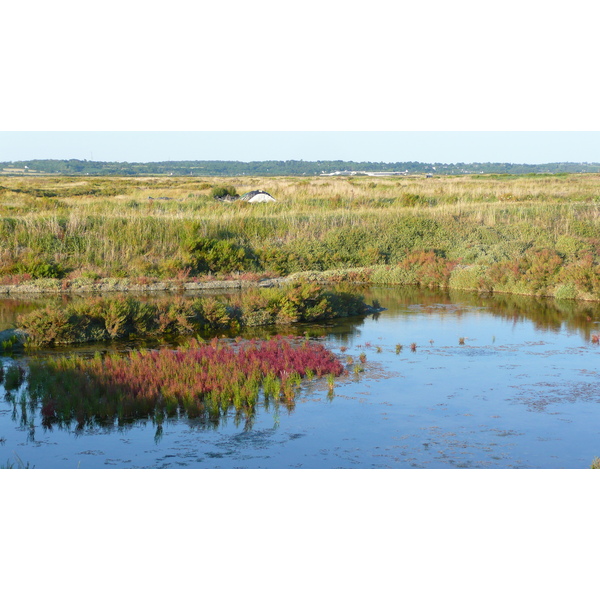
x=483 y=403
x=75 y=395
x=547 y=314
x=28 y=415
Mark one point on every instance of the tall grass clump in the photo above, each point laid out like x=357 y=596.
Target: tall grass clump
x=201 y=380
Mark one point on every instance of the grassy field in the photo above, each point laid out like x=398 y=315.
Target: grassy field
x=535 y=234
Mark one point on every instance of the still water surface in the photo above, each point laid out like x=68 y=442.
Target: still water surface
x=521 y=391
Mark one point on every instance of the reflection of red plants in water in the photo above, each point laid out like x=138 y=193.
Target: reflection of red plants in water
x=413 y=347
x=595 y=338
x=201 y=379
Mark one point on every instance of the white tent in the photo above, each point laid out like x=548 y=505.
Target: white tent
x=258 y=196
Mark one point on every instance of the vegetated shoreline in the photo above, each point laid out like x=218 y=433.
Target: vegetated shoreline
x=374 y=275
x=99 y=318
x=59 y=286
x=530 y=236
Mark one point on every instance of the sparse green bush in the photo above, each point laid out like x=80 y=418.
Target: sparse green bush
x=426 y=269
x=567 y=291
x=219 y=256
x=38 y=269
x=467 y=278
x=223 y=191
x=47 y=326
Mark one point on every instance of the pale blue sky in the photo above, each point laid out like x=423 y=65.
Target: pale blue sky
x=445 y=147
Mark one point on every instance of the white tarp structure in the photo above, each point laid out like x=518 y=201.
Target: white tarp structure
x=258 y=196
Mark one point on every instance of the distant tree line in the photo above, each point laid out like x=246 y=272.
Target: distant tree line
x=200 y=168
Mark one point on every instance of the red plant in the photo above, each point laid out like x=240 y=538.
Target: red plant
x=15 y=279
x=200 y=379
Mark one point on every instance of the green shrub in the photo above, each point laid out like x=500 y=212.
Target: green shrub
x=571 y=247
x=212 y=313
x=584 y=274
x=426 y=269
x=567 y=291
x=47 y=326
x=121 y=317
x=223 y=191
x=39 y=269
x=220 y=256
x=467 y=278
x=175 y=317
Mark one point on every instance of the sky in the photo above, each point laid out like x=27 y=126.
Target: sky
x=428 y=82
x=375 y=146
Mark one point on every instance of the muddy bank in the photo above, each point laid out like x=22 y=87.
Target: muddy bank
x=56 y=286
x=65 y=286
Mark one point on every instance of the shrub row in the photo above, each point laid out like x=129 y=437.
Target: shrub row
x=122 y=317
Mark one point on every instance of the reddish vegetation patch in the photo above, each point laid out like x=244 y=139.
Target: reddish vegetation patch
x=431 y=270
x=202 y=379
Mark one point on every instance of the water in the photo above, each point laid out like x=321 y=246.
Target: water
x=520 y=392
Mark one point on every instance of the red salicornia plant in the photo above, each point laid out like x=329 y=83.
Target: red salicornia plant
x=202 y=379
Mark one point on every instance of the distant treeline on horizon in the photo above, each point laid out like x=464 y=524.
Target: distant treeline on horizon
x=226 y=168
